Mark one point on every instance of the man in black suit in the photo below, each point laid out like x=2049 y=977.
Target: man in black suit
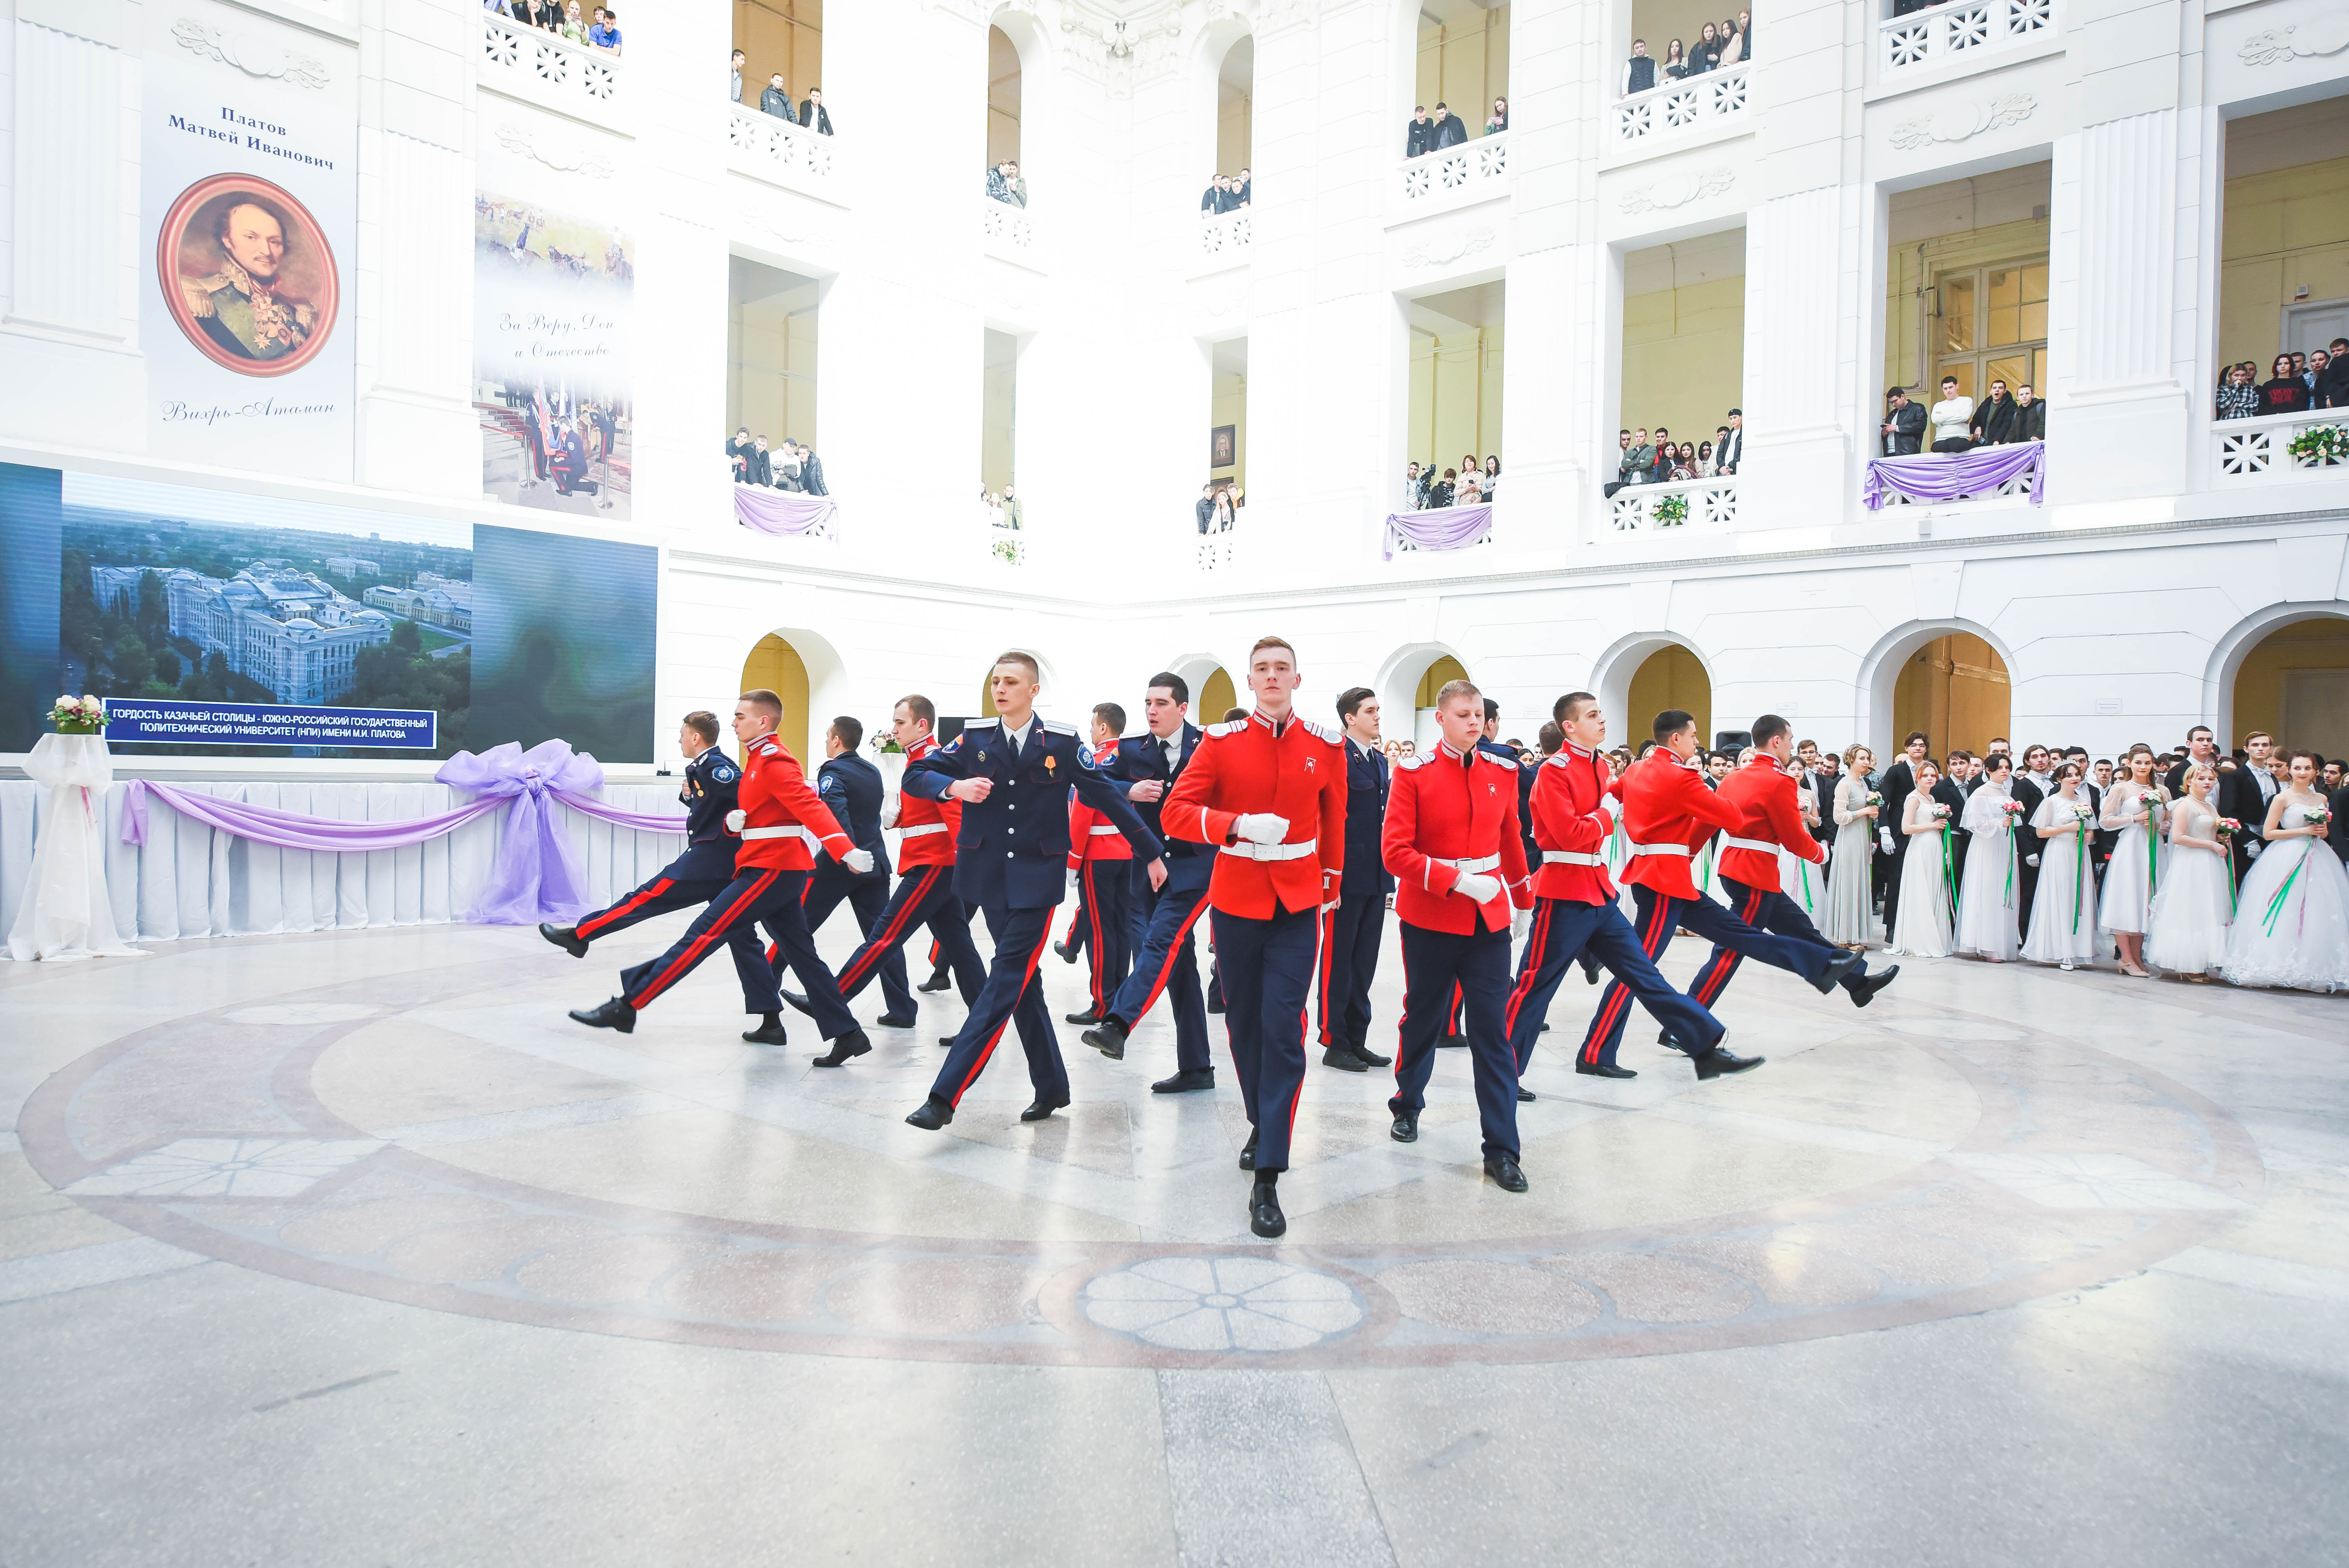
x=1350 y=933
x=813 y=114
x=2027 y=795
x=851 y=787
x=2201 y=746
x=1951 y=791
x=1904 y=425
x=2244 y=793
x=1900 y=782
x=1414 y=140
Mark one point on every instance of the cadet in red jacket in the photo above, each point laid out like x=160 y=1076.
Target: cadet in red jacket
x=1269 y=792
x=1668 y=811
x=779 y=816
x=1459 y=862
x=1765 y=796
x=1103 y=862
x=1575 y=910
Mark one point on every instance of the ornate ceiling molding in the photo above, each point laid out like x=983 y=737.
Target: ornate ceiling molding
x=519 y=140
x=1959 y=121
x=255 y=54
x=1678 y=190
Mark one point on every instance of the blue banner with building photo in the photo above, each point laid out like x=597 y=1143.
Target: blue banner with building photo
x=169 y=721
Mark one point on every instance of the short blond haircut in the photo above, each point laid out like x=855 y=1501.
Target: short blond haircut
x=1264 y=643
x=1026 y=661
x=765 y=701
x=1451 y=689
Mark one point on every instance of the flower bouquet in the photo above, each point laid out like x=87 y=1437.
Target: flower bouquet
x=1669 y=510
x=78 y=716
x=1938 y=812
x=2315 y=816
x=2321 y=446
x=2014 y=812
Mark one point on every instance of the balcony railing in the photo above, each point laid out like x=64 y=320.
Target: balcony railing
x=1480 y=165
x=1960 y=29
x=1696 y=506
x=1711 y=100
x=543 y=67
x=1006 y=227
x=1227 y=233
x=2258 y=451
x=770 y=144
x=1215 y=552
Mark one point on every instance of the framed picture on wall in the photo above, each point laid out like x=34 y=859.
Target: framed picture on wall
x=1224 y=446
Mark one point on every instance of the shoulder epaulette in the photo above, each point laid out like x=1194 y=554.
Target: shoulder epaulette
x=1054 y=727
x=1333 y=737
x=1507 y=762
x=1559 y=761
x=1217 y=731
x=1416 y=759
x=980 y=723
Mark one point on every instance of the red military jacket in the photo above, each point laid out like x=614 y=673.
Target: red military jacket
x=1572 y=817
x=1445 y=808
x=926 y=829
x=1770 y=816
x=1669 y=812
x=781 y=812
x=1091 y=835
x=1296 y=770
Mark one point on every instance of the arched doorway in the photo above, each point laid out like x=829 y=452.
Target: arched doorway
x=1671 y=677
x=1003 y=85
x=1424 y=730
x=2294 y=682
x=776 y=665
x=1955 y=689
x=1213 y=691
x=1407 y=682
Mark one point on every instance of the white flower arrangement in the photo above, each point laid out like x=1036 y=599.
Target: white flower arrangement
x=82 y=715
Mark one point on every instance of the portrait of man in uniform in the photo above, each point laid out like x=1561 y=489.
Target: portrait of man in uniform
x=248 y=274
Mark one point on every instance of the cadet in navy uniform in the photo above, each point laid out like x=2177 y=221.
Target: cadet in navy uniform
x=851 y=787
x=1350 y=933
x=1165 y=952
x=1012 y=774
x=696 y=876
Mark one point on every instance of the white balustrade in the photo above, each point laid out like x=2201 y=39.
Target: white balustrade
x=1711 y=100
x=770 y=144
x=1697 y=506
x=1227 y=233
x=1480 y=165
x=1006 y=227
x=1215 y=552
x=546 y=67
x=1962 y=29
x=2258 y=451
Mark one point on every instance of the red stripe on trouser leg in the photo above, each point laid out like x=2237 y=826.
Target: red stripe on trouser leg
x=596 y=923
x=1617 y=1000
x=1724 y=963
x=1043 y=940
x=1321 y=972
x=717 y=931
x=881 y=946
x=1095 y=948
x=1403 y=1019
x=1166 y=968
x=1536 y=954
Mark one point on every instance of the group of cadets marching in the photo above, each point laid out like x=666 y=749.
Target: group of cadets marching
x=1292 y=838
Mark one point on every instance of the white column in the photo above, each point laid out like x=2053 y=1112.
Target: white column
x=1801 y=288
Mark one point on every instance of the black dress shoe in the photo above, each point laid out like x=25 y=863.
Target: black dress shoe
x=948 y=1040
x=1841 y=965
x=843 y=1049
x=1265 y=1217
x=1108 y=1038
x=566 y=937
x=1343 y=1059
x=1186 y=1080
x=931 y=1114
x=936 y=982
x=897 y=1020
x=1504 y=1170
x=614 y=1014
x=1247 y=1154
x=1452 y=1043
x=1374 y=1058
x=798 y=1002
x=1040 y=1109
x=1525 y=1095
x=1406 y=1126
x=1718 y=1060
x=1216 y=1003
x=1068 y=954
x=1590 y=970
x=1087 y=1016
x=1603 y=1069
x=767 y=1035
x=1864 y=987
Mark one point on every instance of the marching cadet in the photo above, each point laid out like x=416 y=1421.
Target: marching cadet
x=851 y=788
x=694 y=877
x=779 y=820
x=1669 y=812
x=1103 y=862
x=1012 y=774
x=1459 y=863
x=924 y=894
x=1575 y=909
x=1350 y=933
x=1267 y=795
x=1165 y=956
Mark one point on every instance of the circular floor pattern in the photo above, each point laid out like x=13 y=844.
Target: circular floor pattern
x=466 y=1149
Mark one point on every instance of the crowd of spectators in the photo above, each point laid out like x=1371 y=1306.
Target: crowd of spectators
x=598 y=30
x=998 y=510
x=1432 y=133
x=1959 y=424
x=775 y=98
x=1226 y=194
x=1658 y=460
x=1428 y=487
x=1729 y=42
x=1005 y=185
x=1219 y=501
x=2296 y=383
x=789 y=466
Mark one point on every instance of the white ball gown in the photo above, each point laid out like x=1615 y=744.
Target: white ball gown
x=2134 y=873
x=2191 y=907
x=1923 y=927
x=2291 y=921
x=1849 y=902
x=2063 y=910
x=1989 y=898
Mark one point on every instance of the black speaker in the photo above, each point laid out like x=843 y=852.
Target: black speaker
x=1732 y=740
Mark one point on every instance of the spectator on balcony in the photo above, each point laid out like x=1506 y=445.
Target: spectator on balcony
x=1471 y=487
x=1706 y=54
x=1622 y=464
x=1676 y=64
x=1242 y=187
x=1993 y=421
x=1415 y=134
x=738 y=455
x=1440 y=493
x=2030 y=416
x=1011 y=509
x=1500 y=120
x=573 y=25
x=2299 y=363
x=783 y=462
x=1492 y=474
x=1660 y=466
x=1445 y=130
x=1731 y=449
x=1705 y=466
x=2332 y=392
x=1204 y=507
x=1004 y=184
x=1638 y=71
x=1732 y=45
x=2238 y=399
x=776 y=100
x=2283 y=392
x=760 y=469
x=1469 y=465
x=2317 y=360
x=605 y=34
x=1950 y=416
x=1685 y=463
x=1637 y=458
x=1904 y=425
x=1222 y=517
x=1414 y=487
x=1744 y=35
x=735 y=96
x=813 y=114
x=810 y=469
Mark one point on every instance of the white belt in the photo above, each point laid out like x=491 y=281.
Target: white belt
x=1758 y=846
x=1272 y=851
x=924 y=828
x=1569 y=858
x=1104 y=829
x=794 y=832
x=1679 y=850
x=1482 y=864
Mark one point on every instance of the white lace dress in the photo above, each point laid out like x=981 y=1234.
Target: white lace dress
x=2191 y=907
x=1990 y=899
x=1925 y=924
x=2291 y=923
x=2063 y=910
x=1849 y=902
x=2134 y=873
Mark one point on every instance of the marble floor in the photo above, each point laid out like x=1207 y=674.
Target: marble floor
x=350 y=1247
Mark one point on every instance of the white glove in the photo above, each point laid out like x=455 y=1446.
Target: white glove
x=1884 y=836
x=2251 y=848
x=1476 y=886
x=1261 y=827
x=1520 y=922
x=858 y=861
x=1076 y=877
x=2031 y=860
x=889 y=803
x=734 y=821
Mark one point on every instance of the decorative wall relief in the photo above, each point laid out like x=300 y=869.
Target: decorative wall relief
x=255 y=54
x=1959 y=121
x=2328 y=35
x=1678 y=190
x=1443 y=249
x=519 y=140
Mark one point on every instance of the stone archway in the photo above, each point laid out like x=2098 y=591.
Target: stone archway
x=1645 y=673
x=804 y=669
x=2285 y=671
x=1883 y=671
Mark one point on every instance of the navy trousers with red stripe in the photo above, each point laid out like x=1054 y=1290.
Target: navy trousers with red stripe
x=658 y=896
x=1012 y=994
x=1563 y=929
x=1660 y=914
x=1350 y=961
x=1101 y=925
x=867 y=896
x=1764 y=909
x=756 y=893
x=1169 y=956
x=1478 y=963
x=924 y=896
x=1267 y=968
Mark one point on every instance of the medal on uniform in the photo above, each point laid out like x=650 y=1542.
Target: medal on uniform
x=1050 y=762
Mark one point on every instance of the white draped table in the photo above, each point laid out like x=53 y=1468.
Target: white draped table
x=65 y=909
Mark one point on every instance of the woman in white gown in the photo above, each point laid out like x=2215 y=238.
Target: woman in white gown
x=1797 y=877
x=2136 y=804
x=1990 y=908
x=2194 y=904
x=2063 y=910
x=1923 y=924
x=1850 y=918
x=2291 y=923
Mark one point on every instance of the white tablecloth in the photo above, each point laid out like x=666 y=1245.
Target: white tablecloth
x=190 y=881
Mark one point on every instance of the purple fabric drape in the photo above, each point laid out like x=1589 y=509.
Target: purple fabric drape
x=1945 y=475
x=286 y=829
x=765 y=511
x=1445 y=528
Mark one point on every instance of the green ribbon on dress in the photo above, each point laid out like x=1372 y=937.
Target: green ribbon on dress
x=2152 y=854
x=2081 y=865
x=2275 y=905
x=1949 y=871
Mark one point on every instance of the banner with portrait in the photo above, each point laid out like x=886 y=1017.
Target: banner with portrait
x=553 y=307
x=249 y=210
